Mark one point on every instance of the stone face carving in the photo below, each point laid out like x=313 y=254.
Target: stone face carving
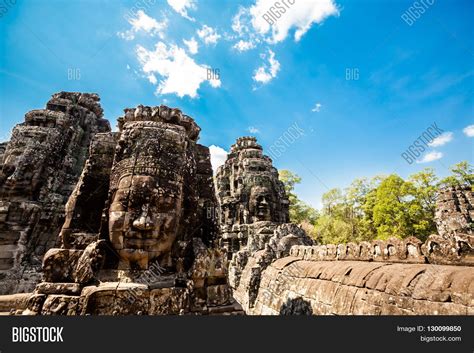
x=139 y=234
x=39 y=168
x=248 y=191
x=253 y=217
x=147 y=193
x=455 y=211
x=138 y=238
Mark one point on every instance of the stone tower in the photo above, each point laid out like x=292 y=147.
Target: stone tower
x=39 y=168
x=253 y=217
x=248 y=191
x=137 y=237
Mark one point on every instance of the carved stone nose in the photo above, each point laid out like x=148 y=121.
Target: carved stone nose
x=143 y=223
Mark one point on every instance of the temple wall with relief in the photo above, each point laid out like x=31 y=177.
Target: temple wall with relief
x=391 y=277
x=277 y=270
x=133 y=223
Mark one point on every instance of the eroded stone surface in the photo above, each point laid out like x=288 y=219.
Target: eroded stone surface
x=363 y=288
x=248 y=191
x=455 y=211
x=138 y=238
x=39 y=168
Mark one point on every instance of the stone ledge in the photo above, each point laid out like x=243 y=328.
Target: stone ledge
x=362 y=288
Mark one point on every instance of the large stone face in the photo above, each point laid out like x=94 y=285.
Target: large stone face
x=455 y=211
x=39 y=168
x=253 y=217
x=154 y=198
x=138 y=238
x=248 y=191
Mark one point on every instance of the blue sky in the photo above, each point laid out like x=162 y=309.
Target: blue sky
x=356 y=81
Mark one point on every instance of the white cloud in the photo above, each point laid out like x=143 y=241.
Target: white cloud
x=192 y=45
x=430 y=157
x=300 y=16
x=182 y=7
x=253 y=130
x=267 y=72
x=317 y=108
x=145 y=23
x=243 y=45
x=208 y=34
x=218 y=156
x=152 y=79
x=441 y=139
x=240 y=20
x=181 y=75
x=469 y=131
x=242 y=27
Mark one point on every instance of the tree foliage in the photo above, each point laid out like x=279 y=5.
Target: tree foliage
x=379 y=208
x=300 y=212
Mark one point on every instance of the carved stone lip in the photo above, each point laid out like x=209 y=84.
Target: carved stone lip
x=140 y=242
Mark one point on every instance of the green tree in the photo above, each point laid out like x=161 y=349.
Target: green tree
x=391 y=211
x=332 y=230
x=300 y=212
x=463 y=174
x=424 y=187
x=382 y=207
x=335 y=224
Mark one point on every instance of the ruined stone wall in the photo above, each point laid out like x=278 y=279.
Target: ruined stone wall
x=390 y=277
x=39 y=168
x=293 y=286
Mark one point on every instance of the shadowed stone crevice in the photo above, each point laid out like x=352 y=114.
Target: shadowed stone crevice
x=296 y=306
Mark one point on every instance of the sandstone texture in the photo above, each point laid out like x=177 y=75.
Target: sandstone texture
x=137 y=238
x=39 y=168
x=292 y=286
x=94 y=222
x=253 y=210
x=455 y=211
x=248 y=191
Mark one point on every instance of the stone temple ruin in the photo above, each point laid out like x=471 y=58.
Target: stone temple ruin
x=249 y=193
x=136 y=237
x=39 y=167
x=123 y=223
